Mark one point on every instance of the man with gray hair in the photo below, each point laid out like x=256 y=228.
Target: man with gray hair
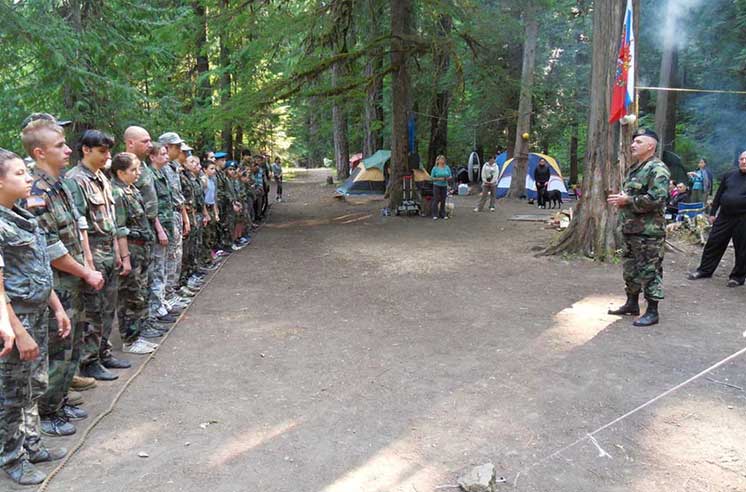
x=641 y=204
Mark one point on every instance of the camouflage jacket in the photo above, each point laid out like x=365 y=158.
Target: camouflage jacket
x=146 y=185
x=172 y=173
x=51 y=202
x=198 y=191
x=132 y=220
x=93 y=200
x=647 y=185
x=165 y=201
x=186 y=190
x=23 y=252
x=225 y=195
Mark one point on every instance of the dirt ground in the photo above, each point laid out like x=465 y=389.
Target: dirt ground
x=344 y=351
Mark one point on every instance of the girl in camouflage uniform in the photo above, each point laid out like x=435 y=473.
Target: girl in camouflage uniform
x=28 y=284
x=136 y=239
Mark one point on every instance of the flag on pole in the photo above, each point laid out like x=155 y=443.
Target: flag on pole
x=624 y=83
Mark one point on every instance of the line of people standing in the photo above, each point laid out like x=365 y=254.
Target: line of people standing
x=129 y=238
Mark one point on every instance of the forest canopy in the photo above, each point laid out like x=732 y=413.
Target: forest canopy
x=289 y=77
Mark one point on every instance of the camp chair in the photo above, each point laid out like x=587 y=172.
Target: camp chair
x=688 y=211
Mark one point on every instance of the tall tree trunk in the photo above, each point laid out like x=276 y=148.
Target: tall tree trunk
x=592 y=231
x=239 y=136
x=225 y=85
x=442 y=97
x=525 y=106
x=373 y=116
x=665 y=106
x=203 y=96
x=574 y=151
x=339 y=123
x=402 y=13
x=315 y=154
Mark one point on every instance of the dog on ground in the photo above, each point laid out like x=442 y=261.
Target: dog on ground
x=450 y=208
x=553 y=197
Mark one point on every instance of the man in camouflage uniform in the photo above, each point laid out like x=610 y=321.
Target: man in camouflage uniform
x=51 y=203
x=28 y=281
x=182 y=226
x=93 y=199
x=137 y=141
x=158 y=310
x=641 y=217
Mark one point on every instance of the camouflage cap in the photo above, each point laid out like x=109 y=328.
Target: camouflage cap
x=43 y=116
x=170 y=138
x=185 y=147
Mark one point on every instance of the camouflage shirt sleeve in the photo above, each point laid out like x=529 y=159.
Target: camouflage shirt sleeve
x=120 y=212
x=38 y=203
x=657 y=178
x=146 y=185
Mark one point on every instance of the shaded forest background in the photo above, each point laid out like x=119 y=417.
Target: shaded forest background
x=312 y=79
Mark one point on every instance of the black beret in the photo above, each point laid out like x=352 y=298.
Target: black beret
x=645 y=132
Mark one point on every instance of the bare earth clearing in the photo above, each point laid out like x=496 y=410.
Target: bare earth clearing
x=344 y=351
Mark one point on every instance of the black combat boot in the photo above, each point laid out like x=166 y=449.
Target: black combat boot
x=650 y=317
x=632 y=306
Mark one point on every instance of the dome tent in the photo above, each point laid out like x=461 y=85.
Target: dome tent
x=506 y=172
x=371 y=176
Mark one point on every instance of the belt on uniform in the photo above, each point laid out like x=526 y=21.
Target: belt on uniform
x=137 y=242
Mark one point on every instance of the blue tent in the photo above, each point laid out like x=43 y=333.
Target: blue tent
x=506 y=172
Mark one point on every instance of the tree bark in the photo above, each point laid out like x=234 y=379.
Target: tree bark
x=315 y=153
x=442 y=97
x=339 y=122
x=665 y=107
x=525 y=106
x=402 y=13
x=203 y=95
x=373 y=116
x=226 y=133
x=592 y=231
x=574 y=152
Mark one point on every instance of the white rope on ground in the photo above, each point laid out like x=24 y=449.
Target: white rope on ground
x=45 y=484
x=590 y=435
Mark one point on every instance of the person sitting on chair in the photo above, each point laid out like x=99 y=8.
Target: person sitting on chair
x=681 y=196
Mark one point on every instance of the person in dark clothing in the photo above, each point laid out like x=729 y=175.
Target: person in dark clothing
x=541 y=177
x=730 y=223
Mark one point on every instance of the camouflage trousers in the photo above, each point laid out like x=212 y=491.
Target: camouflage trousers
x=100 y=307
x=198 y=243
x=227 y=226
x=157 y=273
x=173 y=260
x=132 y=305
x=643 y=266
x=210 y=237
x=64 y=353
x=21 y=384
x=190 y=249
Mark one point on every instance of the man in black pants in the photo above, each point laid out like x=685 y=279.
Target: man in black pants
x=541 y=177
x=730 y=223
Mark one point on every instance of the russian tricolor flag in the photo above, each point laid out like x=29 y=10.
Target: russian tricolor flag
x=624 y=83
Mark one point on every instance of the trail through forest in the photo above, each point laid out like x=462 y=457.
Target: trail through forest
x=344 y=351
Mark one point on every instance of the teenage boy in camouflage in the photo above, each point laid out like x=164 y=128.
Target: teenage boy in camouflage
x=66 y=234
x=93 y=199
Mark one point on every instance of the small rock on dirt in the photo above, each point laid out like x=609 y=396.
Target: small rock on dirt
x=479 y=479
x=143 y=454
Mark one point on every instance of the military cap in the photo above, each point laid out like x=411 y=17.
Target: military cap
x=170 y=138
x=645 y=132
x=231 y=164
x=185 y=147
x=221 y=155
x=43 y=116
